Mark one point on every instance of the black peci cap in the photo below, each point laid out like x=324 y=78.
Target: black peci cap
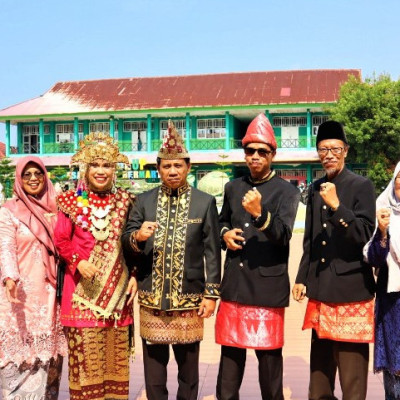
x=331 y=130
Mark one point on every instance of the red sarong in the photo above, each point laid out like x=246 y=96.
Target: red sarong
x=249 y=327
x=347 y=322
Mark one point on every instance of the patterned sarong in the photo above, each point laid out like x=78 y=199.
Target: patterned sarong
x=249 y=327
x=170 y=327
x=347 y=322
x=98 y=363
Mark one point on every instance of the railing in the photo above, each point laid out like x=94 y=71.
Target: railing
x=129 y=146
x=282 y=143
x=195 y=144
x=51 y=148
x=204 y=144
x=291 y=143
x=207 y=144
x=156 y=144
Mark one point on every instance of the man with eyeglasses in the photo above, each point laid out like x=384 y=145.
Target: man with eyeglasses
x=340 y=219
x=256 y=224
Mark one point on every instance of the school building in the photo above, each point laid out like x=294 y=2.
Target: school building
x=210 y=111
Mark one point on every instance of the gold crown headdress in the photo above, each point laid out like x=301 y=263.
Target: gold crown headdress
x=98 y=145
x=172 y=147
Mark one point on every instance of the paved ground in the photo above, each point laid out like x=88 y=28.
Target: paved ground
x=296 y=363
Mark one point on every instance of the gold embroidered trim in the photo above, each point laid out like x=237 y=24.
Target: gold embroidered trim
x=212 y=290
x=266 y=179
x=105 y=295
x=186 y=301
x=265 y=226
x=179 y=191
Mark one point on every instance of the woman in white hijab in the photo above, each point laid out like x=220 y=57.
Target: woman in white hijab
x=383 y=252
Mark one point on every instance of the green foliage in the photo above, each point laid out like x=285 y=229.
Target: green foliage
x=370 y=111
x=223 y=165
x=59 y=174
x=7 y=172
x=380 y=174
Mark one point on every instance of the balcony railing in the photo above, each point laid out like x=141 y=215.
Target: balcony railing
x=207 y=144
x=51 y=148
x=195 y=144
x=282 y=143
x=203 y=144
x=129 y=146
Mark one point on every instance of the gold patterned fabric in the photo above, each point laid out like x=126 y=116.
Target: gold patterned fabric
x=170 y=327
x=348 y=322
x=98 y=363
x=169 y=254
x=105 y=294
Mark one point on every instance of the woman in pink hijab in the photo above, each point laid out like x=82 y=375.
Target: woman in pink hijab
x=31 y=338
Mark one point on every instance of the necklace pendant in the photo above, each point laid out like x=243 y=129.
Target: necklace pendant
x=100 y=235
x=100 y=212
x=100 y=223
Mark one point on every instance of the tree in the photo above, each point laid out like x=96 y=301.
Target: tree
x=59 y=173
x=7 y=172
x=370 y=111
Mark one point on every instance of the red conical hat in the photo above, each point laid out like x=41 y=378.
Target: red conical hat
x=260 y=131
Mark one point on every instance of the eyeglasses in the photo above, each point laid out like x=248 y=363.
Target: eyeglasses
x=249 y=151
x=336 y=151
x=104 y=166
x=27 y=176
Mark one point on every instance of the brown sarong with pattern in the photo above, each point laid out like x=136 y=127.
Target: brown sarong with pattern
x=170 y=327
x=98 y=363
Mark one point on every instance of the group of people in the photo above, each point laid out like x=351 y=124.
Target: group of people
x=164 y=246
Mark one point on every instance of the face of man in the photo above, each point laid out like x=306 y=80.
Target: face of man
x=32 y=179
x=332 y=154
x=173 y=173
x=258 y=158
x=100 y=175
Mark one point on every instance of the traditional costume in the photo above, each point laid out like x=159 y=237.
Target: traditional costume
x=95 y=312
x=340 y=285
x=384 y=255
x=32 y=342
x=176 y=268
x=255 y=286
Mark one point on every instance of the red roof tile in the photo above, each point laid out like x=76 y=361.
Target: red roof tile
x=214 y=90
x=13 y=150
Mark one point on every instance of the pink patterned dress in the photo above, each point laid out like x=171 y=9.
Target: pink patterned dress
x=32 y=343
x=30 y=330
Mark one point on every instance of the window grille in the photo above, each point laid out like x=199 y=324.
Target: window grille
x=180 y=125
x=289 y=121
x=212 y=128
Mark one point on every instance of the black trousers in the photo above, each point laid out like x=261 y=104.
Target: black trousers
x=155 y=359
x=350 y=359
x=231 y=370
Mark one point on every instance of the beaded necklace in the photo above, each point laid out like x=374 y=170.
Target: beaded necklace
x=93 y=213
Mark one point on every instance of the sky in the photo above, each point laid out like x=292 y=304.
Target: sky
x=46 y=41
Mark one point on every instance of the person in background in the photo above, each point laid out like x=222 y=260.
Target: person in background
x=172 y=233
x=96 y=303
x=32 y=343
x=340 y=286
x=383 y=252
x=256 y=223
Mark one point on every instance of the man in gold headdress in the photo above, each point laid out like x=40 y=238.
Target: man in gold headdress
x=96 y=304
x=172 y=232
